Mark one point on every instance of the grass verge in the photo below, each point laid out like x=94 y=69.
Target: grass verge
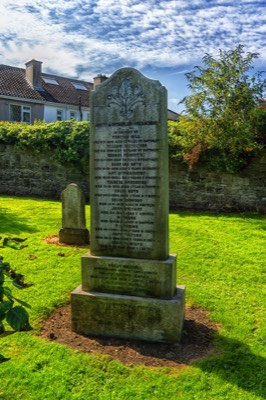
x=222 y=262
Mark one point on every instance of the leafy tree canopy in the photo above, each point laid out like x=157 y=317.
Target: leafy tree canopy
x=224 y=121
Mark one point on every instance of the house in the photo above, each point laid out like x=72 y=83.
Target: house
x=173 y=116
x=29 y=94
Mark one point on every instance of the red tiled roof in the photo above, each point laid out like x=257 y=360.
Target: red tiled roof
x=13 y=83
x=172 y=115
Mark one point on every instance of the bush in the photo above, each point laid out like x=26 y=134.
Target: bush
x=225 y=121
x=68 y=141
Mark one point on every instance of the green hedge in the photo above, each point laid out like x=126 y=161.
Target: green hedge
x=68 y=141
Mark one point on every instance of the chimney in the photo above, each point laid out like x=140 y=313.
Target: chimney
x=34 y=73
x=98 y=80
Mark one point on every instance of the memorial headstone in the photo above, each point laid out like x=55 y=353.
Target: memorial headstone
x=73 y=216
x=128 y=285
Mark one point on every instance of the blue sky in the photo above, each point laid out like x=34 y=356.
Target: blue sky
x=161 y=38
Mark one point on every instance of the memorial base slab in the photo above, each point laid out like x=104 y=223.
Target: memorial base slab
x=74 y=236
x=129 y=276
x=130 y=317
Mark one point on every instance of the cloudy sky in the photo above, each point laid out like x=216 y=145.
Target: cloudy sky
x=162 y=38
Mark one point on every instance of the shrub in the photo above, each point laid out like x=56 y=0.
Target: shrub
x=224 y=120
x=68 y=141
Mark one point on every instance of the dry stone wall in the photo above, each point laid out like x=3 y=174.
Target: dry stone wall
x=28 y=174
x=38 y=175
x=204 y=190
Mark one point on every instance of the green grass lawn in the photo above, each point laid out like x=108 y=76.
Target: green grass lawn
x=222 y=262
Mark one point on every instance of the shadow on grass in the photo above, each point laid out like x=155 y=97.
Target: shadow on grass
x=239 y=366
x=254 y=219
x=11 y=222
x=233 y=361
x=215 y=214
x=4 y=334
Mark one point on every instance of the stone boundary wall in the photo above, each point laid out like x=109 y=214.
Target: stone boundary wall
x=37 y=175
x=212 y=191
x=28 y=174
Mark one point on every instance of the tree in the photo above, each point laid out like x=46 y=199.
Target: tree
x=220 y=121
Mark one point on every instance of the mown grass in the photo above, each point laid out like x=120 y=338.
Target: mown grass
x=222 y=262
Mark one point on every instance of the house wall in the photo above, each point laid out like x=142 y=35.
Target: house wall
x=4 y=110
x=37 y=175
x=41 y=112
x=50 y=112
x=37 y=110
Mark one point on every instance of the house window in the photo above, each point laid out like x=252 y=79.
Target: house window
x=20 y=113
x=73 y=115
x=52 y=81
x=79 y=85
x=59 y=115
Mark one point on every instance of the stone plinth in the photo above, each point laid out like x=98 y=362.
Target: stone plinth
x=102 y=314
x=129 y=276
x=74 y=236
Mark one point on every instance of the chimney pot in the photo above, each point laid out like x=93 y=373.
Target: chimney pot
x=100 y=78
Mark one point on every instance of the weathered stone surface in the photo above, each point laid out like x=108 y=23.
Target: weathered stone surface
x=132 y=317
x=30 y=174
x=205 y=190
x=129 y=280
x=74 y=236
x=129 y=171
x=73 y=207
x=17 y=179
x=73 y=216
x=129 y=276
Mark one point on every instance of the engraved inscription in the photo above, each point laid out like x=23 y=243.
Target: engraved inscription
x=115 y=277
x=126 y=182
x=122 y=308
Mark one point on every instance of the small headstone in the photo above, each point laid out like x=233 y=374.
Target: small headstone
x=73 y=216
x=129 y=279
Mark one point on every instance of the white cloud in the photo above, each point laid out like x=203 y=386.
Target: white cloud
x=73 y=36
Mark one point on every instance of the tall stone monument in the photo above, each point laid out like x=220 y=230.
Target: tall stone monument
x=73 y=216
x=129 y=279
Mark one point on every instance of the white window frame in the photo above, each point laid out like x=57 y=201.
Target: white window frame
x=24 y=110
x=59 y=114
x=74 y=115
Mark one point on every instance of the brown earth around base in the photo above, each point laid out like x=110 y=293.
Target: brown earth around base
x=54 y=239
x=196 y=342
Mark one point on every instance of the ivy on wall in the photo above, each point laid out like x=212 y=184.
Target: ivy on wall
x=68 y=141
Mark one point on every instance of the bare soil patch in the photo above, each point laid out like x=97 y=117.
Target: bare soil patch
x=54 y=239
x=196 y=341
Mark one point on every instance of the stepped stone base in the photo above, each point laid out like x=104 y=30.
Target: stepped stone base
x=131 y=317
x=74 y=236
x=129 y=276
